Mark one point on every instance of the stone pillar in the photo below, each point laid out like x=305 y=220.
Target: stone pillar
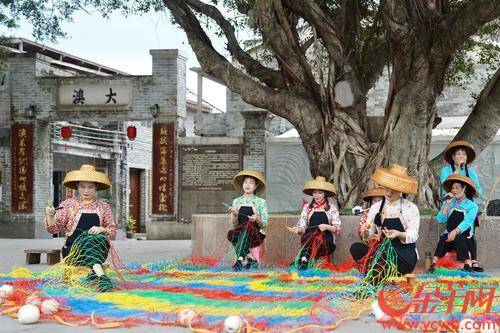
x=254 y=140
x=169 y=80
x=169 y=85
x=42 y=175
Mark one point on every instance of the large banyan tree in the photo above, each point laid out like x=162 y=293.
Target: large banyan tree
x=315 y=45
x=315 y=49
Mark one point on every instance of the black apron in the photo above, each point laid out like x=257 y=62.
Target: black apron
x=255 y=236
x=460 y=244
x=243 y=213
x=456 y=217
x=315 y=220
x=85 y=223
x=407 y=255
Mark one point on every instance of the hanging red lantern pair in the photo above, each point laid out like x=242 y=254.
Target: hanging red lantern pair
x=67 y=132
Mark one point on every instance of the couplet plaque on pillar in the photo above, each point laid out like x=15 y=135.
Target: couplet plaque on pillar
x=163 y=168
x=22 y=168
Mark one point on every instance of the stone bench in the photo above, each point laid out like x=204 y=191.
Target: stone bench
x=33 y=256
x=209 y=232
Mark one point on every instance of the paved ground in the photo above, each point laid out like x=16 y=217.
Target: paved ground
x=11 y=254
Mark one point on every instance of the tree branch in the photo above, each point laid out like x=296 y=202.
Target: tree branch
x=456 y=28
x=483 y=122
x=350 y=24
x=323 y=24
x=270 y=77
x=373 y=57
x=274 y=35
x=302 y=113
x=300 y=53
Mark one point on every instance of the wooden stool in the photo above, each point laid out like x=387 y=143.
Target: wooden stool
x=33 y=256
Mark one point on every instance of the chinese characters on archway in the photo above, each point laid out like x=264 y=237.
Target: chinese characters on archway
x=22 y=168
x=163 y=168
x=79 y=98
x=102 y=93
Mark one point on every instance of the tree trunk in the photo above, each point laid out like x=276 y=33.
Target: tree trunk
x=410 y=113
x=483 y=123
x=339 y=151
x=337 y=154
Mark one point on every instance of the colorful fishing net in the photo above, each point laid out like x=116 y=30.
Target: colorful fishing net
x=75 y=269
x=269 y=299
x=382 y=269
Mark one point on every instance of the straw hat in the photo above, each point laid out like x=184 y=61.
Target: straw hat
x=374 y=192
x=319 y=183
x=396 y=178
x=240 y=177
x=462 y=179
x=87 y=173
x=452 y=147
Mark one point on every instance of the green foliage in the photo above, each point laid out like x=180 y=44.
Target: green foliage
x=482 y=49
x=130 y=224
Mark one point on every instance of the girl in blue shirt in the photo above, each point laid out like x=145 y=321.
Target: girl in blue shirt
x=459 y=155
x=459 y=213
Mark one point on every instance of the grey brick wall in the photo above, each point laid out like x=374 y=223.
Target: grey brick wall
x=254 y=140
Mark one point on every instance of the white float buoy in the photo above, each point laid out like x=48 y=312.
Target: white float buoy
x=467 y=325
x=185 y=316
x=28 y=314
x=49 y=307
x=232 y=324
x=379 y=314
x=6 y=290
x=34 y=299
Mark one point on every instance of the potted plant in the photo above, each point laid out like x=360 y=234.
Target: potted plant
x=130 y=225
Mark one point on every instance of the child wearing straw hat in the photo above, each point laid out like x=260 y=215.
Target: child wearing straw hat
x=318 y=223
x=458 y=156
x=458 y=212
x=249 y=217
x=394 y=217
x=87 y=222
x=371 y=197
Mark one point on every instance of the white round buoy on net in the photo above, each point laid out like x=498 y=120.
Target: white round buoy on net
x=6 y=290
x=185 y=316
x=489 y=326
x=379 y=314
x=467 y=325
x=28 y=314
x=34 y=299
x=232 y=324
x=49 y=307
x=343 y=94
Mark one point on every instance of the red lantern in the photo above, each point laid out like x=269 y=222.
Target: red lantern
x=131 y=132
x=66 y=132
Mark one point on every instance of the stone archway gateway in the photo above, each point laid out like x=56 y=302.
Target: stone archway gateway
x=44 y=86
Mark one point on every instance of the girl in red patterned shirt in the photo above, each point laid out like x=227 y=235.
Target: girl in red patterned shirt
x=83 y=216
x=370 y=196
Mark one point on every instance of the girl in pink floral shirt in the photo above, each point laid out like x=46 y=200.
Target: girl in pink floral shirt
x=318 y=223
x=87 y=223
x=69 y=212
